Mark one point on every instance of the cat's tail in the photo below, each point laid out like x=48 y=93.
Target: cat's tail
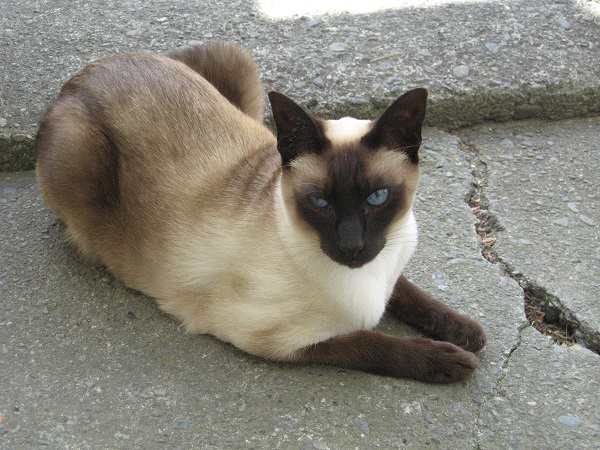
x=230 y=69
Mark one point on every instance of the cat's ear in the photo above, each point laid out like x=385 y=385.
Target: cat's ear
x=399 y=128
x=297 y=132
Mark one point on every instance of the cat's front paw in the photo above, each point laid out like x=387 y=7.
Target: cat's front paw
x=466 y=333
x=442 y=362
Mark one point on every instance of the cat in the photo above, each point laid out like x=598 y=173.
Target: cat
x=291 y=248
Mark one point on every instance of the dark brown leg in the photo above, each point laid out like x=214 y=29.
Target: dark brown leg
x=378 y=353
x=415 y=307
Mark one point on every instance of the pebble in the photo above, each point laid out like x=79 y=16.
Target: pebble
x=337 y=47
x=428 y=69
x=563 y=22
x=358 y=101
x=570 y=421
x=461 y=71
x=314 y=22
x=411 y=408
x=563 y=222
x=395 y=89
x=182 y=424
x=384 y=66
x=300 y=84
x=429 y=418
x=587 y=220
x=319 y=82
x=445 y=431
x=492 y=47
x=3 y=122
x=573 y=207
x=507 y=143
x=393 y=80
x=364 y=426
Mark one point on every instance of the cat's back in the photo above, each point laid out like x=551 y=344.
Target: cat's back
x=149 y=114
x=134 y=143
x=155 y=104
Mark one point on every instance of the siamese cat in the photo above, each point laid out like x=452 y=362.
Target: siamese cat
x=290 y=248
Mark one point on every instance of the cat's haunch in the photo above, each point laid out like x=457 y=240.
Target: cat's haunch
x=290 y=248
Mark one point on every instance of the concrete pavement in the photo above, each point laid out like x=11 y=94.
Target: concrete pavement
x=87 y=363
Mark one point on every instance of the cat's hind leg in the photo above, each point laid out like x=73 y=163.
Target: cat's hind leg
x=77 y=169
x=415 y=307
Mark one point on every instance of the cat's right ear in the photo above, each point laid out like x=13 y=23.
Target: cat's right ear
x=297 y=132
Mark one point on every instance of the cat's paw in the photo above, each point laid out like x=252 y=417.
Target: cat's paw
x=443 y=362
x=466 y=333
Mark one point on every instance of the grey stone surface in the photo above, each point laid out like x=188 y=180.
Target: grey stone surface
x=564 y=399
x=523 y=59
x=87 y=363
x=542 y=185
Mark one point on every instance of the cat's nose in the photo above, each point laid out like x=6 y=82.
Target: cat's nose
x=351 y=240
x=352 y=250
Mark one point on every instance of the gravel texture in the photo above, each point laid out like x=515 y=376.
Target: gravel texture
x=534 y=59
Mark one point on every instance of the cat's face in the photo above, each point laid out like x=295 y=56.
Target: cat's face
x=350 y=181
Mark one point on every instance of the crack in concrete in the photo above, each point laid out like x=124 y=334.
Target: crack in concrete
x=486 y=227
x=545 y=312
x=496 y=391
x=506 y=362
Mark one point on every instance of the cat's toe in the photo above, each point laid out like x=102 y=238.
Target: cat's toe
x=467 y=334
x=449 y=363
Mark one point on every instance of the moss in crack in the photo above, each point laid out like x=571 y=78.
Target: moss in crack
x=487 y=224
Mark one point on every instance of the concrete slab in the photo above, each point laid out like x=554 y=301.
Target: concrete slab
x=87 y=363
x=563 y=398
x=542 y=186
x=487 y=60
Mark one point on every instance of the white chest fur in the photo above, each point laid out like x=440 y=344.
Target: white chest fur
x=355 y=299
x=363 y=293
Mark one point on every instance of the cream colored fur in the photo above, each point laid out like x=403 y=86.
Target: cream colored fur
x=205 y=222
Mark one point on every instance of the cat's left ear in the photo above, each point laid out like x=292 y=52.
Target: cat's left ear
x=297 y=132
x=399 y=128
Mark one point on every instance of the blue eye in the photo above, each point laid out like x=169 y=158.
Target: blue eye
x=378 y=197
x=318 y=202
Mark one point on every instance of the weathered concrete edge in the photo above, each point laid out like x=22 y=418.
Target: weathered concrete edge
x=450 y=111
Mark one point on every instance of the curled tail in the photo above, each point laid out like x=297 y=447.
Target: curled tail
x=230 y=69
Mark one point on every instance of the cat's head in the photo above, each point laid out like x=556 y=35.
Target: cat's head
x=350 y=182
